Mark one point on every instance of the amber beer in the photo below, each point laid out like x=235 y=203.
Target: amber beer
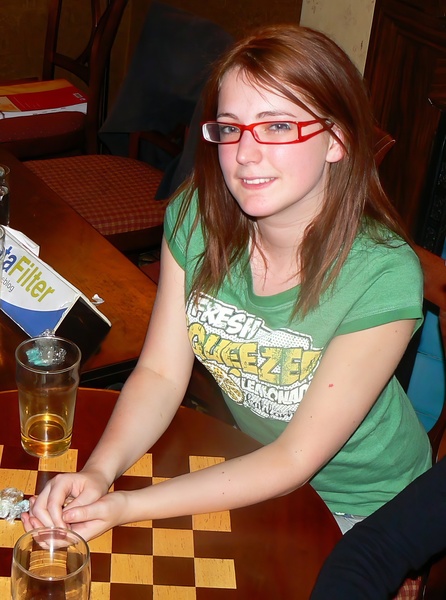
x=47 y=381
x=47 y=433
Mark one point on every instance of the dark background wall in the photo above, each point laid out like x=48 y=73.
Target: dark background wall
x=23 y=24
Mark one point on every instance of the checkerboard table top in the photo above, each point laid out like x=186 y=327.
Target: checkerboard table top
x=263 y=551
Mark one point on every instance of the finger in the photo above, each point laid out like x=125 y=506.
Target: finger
x=81 y=513
x=26 y=521
x=42 y=518
x=32 y=501
x=29 y=522
x=47 y=507
x=48 y=517
x=35 y=523
x=106 y=509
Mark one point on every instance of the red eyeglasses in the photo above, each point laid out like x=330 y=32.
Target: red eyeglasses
x=266 y=132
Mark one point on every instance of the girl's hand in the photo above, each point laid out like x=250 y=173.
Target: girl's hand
x=91 y=520
x=73 y=490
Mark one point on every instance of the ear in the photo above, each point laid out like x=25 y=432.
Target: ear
x=336 y=151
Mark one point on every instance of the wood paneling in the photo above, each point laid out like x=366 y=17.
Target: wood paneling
x=22 y=37
x=405 y=71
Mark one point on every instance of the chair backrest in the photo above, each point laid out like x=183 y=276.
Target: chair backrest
x=383 y=143
x=91 y=65
x=434 y=270
x=166 y=74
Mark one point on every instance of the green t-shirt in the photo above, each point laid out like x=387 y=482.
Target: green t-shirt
x=264 y=360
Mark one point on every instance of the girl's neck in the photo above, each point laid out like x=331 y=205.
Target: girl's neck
x=275 y=261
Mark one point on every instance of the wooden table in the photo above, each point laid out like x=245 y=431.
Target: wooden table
x=80 y=254
x=272 y=550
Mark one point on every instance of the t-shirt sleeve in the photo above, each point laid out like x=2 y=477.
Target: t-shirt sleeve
x=176 y=237
x=391 y=284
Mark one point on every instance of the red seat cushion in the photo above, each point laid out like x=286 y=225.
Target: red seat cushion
x=113 y=193
x=50 y=134
x=34 y=127
x=411 y=589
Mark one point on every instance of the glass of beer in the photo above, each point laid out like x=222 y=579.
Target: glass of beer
x=50 y=563
x=47 y=376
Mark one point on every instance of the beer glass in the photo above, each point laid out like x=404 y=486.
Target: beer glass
x=47 y=376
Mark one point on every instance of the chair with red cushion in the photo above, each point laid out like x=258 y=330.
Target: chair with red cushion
x=69 y=132
x=159 y=96
x=115 y=194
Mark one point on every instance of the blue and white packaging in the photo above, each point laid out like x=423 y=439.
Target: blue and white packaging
x=38 y=299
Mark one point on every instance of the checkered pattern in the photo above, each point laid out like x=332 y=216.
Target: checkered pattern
x=113 y=193
x=39 y=127
x=410 y=590
x=160 y=560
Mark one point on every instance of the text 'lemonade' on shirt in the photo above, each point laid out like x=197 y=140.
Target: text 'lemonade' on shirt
x=264 y=361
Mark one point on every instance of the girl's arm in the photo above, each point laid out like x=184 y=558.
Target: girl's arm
x=145 y=408
x=155 y=389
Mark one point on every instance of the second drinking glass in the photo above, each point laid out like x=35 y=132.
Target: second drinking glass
x=47 y=375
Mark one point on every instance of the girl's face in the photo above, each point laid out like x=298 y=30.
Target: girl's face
x=280 y=182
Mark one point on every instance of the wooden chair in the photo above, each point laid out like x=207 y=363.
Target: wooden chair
x=116 y=193
x=68 y=132
x=434 y=269
x=383 y=143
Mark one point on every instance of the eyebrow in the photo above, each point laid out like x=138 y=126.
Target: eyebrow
x=262 y=115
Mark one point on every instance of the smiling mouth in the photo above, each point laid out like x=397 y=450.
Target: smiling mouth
x=258 y=181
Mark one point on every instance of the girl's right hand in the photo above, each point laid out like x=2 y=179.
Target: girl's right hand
x=75 y=489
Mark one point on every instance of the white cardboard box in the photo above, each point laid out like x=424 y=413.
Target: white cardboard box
x=40 y=300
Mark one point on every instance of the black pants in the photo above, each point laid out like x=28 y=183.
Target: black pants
x=374 y=557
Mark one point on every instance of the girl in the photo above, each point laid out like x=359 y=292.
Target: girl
x=285 y=270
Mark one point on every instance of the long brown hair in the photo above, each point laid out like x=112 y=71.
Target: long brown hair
x=302 y=65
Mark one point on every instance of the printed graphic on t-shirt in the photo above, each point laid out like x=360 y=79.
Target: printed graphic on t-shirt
x=264 y=369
